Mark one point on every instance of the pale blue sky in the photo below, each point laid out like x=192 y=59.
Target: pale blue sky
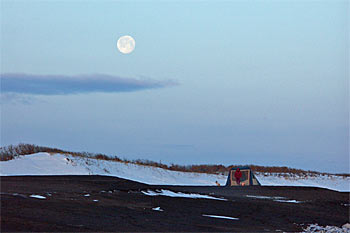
x=258 y=82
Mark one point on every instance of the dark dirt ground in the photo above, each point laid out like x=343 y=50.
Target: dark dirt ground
x=122 y=207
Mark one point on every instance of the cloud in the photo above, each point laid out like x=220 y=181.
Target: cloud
x=65 y=84
x=14 y=98
x=179 y=146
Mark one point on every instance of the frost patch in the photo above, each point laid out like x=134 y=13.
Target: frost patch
x=157 y=209
x=185 y=195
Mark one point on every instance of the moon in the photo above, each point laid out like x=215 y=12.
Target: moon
x=126 y=44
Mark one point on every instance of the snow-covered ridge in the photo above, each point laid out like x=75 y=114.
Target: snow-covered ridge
x=60 y=164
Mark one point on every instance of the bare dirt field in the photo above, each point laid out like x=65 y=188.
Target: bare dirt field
x=102 y=203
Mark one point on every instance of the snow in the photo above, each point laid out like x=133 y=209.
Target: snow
x=40 y=164
x=157 y=209
x=37 y=196
x=334 y=182
x=17 y=194
x=264 y=197
x=217 y=216
x=279 y=199
x=87 y=195
x=65 y=164
x=289 y=201
x=185 y=195
x=57 y=164
x=316 y=228
x=95 y=200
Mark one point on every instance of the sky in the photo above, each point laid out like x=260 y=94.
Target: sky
x=209 y=82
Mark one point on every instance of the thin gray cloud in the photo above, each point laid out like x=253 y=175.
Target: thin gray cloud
x=15 y=99
x=65 y=84
x=178 y=146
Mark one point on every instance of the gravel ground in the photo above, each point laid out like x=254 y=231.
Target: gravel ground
x=102 y=203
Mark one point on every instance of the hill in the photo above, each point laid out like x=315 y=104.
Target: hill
x=58 y=162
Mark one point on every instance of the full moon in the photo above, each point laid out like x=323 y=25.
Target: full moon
x=126 y=44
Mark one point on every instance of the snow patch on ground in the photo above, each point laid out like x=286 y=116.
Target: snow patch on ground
x=316 y=228
x=19 y=195
x=217 y=216
x=289 y=201
x=278 y=199
x=60 y=164
x=264 y=197
x=185 y=195
x=157 y=209
x=37 y=196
